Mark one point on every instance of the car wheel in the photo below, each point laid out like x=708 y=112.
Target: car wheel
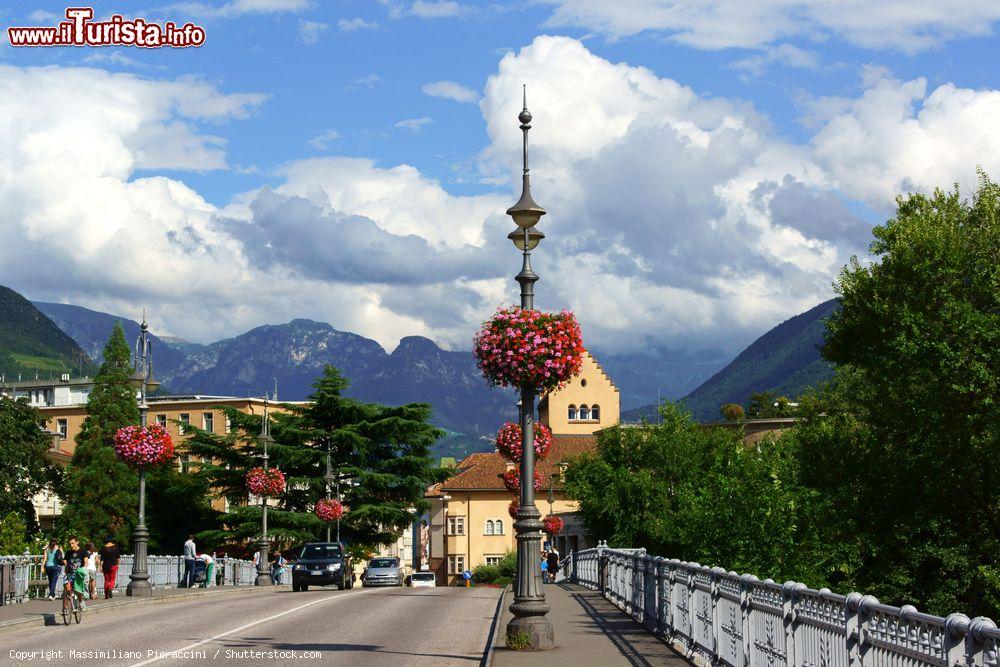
x=304 y=587
x=340 y=585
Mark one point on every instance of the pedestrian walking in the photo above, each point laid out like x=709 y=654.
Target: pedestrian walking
x=190 y=554
x=53 y=564
x=91 y=568
x=109 y=556
x=553 y=561
x=277 y=569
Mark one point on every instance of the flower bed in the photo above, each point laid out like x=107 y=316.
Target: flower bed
x=509 y=441
x=143 y=446
x=521 y=346
x=270 y=482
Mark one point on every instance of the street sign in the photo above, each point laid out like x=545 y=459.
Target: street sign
x=467 y=575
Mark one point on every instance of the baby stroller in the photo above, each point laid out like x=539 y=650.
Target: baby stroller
x=200 y=572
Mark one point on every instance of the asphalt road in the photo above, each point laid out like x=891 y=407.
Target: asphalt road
x=387 y=626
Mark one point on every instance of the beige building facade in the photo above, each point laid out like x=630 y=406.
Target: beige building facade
x=469 y=523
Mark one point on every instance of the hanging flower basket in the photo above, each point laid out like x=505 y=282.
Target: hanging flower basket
x=329 y=510
x=270 y=482
x=512 y=480
x=519 y=346
x=513 y=509
x=553 y=525
x=144 y=446
x=509 y=441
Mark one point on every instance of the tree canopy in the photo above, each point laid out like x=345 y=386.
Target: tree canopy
x=24 y=470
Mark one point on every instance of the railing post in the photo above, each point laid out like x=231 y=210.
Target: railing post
x=789 y=595
x=661 y=598
x=716 y=620
x=865 y=605
x=975 y=652
x=689 y=592
x=746 y=612
x=958 y=638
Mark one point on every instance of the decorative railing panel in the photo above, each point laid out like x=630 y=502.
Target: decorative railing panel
x=726 y=619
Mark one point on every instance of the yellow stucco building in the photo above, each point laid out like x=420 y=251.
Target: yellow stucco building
x=469 y=522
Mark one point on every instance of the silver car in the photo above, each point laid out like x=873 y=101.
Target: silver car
x=383 y=572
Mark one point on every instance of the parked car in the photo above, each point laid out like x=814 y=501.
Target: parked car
x=322 y=564
x=383 y=572
x=423 y=579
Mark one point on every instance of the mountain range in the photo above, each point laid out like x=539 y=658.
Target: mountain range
x=785 y=360
x=32 y=345
x=465 y=406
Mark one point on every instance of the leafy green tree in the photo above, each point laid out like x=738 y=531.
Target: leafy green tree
x=24 y=470
x=732 y=412
x=13 y=534
x=177 y=504
x=384 y=450
x=101 y=492
x=915 y=461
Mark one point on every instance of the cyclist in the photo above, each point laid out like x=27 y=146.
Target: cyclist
x=76 y=559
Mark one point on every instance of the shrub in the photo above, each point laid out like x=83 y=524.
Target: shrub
x=732 y=412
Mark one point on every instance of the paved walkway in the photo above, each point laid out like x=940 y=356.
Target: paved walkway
x=589 y=631
x=49 y=612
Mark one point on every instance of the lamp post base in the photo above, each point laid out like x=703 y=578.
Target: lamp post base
x=139 y=586
x=535 y=629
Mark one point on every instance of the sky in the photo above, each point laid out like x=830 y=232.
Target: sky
x=708 y=166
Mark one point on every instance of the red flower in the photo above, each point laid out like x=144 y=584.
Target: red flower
x=512 y=480
x=513 y=508
x=144 y=446
x=520 y=346
x=509 y=441
x=270 y=482
x=329 y=510
x=552 y=524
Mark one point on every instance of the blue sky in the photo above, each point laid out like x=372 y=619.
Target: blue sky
x=750 y=147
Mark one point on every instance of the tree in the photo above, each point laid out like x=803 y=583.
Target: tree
x=732 y=412
x=384 y=450
x=917 y=339
x=24 y=470
x=101 y=492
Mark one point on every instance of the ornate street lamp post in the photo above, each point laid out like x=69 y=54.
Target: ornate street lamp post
x=529 y=606
x=263 y=573
x=141 y=379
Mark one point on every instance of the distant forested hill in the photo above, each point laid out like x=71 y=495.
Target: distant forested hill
x=785 y=360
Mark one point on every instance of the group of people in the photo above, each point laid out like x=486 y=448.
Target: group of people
x=278 y=564
x=550 y=565
x=79 y=565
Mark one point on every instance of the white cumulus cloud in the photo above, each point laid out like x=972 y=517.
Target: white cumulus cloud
x=449 y=90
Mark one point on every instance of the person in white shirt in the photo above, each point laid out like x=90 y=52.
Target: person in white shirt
x=190 y=554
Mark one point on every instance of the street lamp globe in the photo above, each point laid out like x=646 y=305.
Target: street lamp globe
x=136 y=378
x=152 y=384
x=517 y=237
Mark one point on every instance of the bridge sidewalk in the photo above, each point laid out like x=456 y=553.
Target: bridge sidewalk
x=46 y=612
x=589 y=630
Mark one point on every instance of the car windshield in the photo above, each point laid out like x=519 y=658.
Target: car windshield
x=317 y=551
x=383 y=562
x=427 y=576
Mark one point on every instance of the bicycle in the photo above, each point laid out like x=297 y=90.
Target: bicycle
x=72 y=604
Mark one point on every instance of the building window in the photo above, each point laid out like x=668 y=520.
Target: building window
x=490 y=528
x=498 y=527
x=63 y=427
x=185 y=419
x=229 y=424
x=456 y=564
x=161 y=420
x=595 y=413
x=584 y=413
x=572 y=413
x=456 y=525
x=208 y=422
x=583 y=382
x=184 y=460
x=494 y=560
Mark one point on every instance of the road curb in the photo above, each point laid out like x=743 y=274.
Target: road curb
x=53 y=618
x=491 y=641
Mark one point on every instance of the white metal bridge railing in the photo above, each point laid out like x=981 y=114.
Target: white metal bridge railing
x=732 y=620
x=30 y=581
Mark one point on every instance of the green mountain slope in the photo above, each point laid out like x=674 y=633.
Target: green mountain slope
x=30 y=342
x=785 y=360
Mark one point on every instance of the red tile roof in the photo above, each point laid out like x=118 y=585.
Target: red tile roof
x=483 y=471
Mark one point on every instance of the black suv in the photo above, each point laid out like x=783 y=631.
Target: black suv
x=322 y=564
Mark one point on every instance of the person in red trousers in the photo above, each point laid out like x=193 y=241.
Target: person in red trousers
x=109 y=566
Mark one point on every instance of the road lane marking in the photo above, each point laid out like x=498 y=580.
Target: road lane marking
x=166 y=654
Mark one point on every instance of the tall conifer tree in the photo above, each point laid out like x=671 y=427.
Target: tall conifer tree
x=101 y=492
